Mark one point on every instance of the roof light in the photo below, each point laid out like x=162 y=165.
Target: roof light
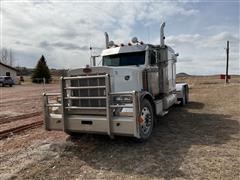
x=111 y=43
x=122 y=44
x=134 y=40
x=141 y=43
x=129 y=44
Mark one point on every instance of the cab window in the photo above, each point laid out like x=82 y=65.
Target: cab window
x=124 y=59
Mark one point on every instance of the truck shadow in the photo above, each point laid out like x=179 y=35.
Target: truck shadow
x=163 y=154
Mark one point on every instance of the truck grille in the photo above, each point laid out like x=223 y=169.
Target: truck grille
x=86 y=94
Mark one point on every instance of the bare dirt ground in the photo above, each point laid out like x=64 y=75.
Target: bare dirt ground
x=22 y=99
x=198 y=141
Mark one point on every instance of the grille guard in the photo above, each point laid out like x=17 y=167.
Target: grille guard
x=71 y=107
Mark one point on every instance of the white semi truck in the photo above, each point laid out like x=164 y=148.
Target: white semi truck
x=134 y=87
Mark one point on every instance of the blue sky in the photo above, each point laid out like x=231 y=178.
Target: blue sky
x=63 y=30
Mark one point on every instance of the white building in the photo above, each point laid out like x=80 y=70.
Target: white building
x=6 y=70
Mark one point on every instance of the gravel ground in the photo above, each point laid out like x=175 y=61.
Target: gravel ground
x=198 y=141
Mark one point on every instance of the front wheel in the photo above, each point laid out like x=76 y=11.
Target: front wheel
x=146 y=120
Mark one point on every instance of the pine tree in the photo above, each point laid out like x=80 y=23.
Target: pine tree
x=41 y=71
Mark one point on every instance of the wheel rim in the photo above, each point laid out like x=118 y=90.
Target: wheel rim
x=146 y=117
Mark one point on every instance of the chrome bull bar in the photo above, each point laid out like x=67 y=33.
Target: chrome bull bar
x=118 y=111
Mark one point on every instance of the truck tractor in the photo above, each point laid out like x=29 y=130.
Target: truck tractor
x=125 y=96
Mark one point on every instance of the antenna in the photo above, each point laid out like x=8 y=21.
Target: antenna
x=92 y=57
x=90 y=52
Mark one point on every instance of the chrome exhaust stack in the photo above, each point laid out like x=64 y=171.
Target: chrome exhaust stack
x=162 y=37
x=106 y=39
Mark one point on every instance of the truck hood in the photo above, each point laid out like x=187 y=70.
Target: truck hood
x=111 y=70
x=123 y=78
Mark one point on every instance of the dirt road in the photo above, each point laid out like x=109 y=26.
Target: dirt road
x=199 y=141
x=22 y=99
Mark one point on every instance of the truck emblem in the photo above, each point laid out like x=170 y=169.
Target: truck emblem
x=127 y=78
x=87 y=69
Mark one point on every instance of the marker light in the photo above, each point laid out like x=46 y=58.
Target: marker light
x=111 y=43
x=134 y=40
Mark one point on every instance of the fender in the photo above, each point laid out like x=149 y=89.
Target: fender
x=179 y=89
x=148 y=96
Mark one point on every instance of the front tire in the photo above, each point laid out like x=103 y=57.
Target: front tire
x=146 y=120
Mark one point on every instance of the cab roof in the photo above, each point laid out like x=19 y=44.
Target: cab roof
x=130 y=48
x=124 y=49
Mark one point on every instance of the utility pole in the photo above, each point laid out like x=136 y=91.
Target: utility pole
x=227 y=51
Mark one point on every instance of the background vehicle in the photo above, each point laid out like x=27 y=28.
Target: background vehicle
x=6 y=80
x=135 y=85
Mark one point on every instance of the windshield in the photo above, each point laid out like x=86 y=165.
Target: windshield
x=124 y=59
